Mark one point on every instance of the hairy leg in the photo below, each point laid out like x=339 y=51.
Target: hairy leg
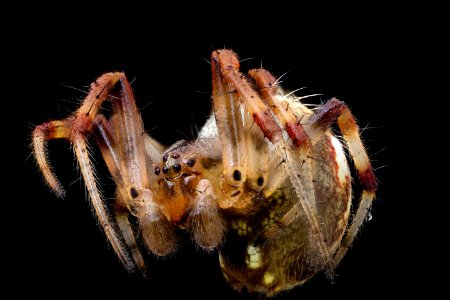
x=245 y=154
x=297 y=165
x=157 y=232
x=297 y=162
x=121 y=140
x=75 y=128
x=129 y=237
x=332 y=111
x=230 y=125
x=204 y=219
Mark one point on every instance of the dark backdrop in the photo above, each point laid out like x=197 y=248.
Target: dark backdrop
x=57 y=245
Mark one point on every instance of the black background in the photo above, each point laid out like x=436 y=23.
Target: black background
x=57 y=249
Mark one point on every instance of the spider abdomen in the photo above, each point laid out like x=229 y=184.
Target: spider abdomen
x=249 y=259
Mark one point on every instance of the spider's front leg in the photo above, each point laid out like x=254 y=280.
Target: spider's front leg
x=122 y=143
x=129 y=153
x=244 y=161
x=75 y=128
x=133 y=193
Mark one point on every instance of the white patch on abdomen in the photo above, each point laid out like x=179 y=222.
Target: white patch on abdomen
x=253 y=259
x=209 y=130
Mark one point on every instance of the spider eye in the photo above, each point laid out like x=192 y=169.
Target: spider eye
x=260 y=180
x=177 y=168
x=165 y=157
x=165 y=170
x=157 y=171
x=134 y=193
x=237 y=175
x=191 y=162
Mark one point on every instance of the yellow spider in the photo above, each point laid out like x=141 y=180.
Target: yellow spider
x=265 y=182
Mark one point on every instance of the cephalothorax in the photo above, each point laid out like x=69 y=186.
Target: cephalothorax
x=266 y=182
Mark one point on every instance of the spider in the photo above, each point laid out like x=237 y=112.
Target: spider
x=266 y=182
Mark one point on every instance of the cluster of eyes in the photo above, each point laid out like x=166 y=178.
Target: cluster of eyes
x=176 y=167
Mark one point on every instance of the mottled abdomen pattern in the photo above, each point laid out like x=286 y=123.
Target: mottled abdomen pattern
x=249 y=259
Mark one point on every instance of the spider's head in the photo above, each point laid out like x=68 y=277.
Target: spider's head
x=181 y=168
x=176 y=162
x=177 y=180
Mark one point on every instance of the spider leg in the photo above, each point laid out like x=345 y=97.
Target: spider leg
x=245 y=154
x=41 y=134
x=107 y=143
x=75 y=128
x=81 y=151
x=128 y=162
x=297 y=163
x=320 y=122
x=259 y=160
x=231 y=131
x=225 y=67
x=80 y=121
x=267 y=87
x=128 y=236
x=204 y=219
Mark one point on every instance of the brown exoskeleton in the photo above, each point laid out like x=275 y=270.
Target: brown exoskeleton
x=266 y=182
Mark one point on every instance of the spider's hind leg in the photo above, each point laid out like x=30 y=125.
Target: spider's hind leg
x=296 y=155
x=225 y=69
x=332 y=111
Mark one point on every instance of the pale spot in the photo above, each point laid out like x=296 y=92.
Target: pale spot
x=343 y=170
x=209 y=130
x=276 y=194
x=268 y=278
x=341 y=223
x=242 y=228
x=344 y=178
x=242 y=224
x=253 y=259
x=272 y=214
x=234 y=225
x=222 y=265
